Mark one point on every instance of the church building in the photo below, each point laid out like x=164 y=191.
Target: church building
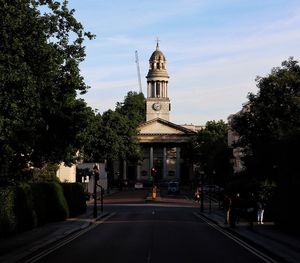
x=163 y=142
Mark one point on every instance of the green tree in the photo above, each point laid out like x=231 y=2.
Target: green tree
x=269 y=130
x=133 y=108
x=40 y=116
x=269 y=127
x=210 y=150
x=113 y=136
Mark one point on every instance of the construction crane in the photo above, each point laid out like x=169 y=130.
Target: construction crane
x=138 y=70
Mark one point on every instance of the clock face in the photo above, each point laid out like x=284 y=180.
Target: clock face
x=156 y=106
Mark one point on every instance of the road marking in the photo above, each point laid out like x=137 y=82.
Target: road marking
x=187 y=205
x=149 y=256
x=242 y=243
x=66 y=240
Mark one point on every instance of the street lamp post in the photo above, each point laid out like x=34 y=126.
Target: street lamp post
x=202 y=192
x=210 y=188
x=96 y=177
x=101 y=197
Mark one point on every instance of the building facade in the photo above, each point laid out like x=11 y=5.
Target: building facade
x=163 y=143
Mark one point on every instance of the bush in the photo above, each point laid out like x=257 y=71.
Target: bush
x=75 y=196
x=24 y=208
x=45 y=174
x=7 y=216
x=39 y=200
x=49 y=202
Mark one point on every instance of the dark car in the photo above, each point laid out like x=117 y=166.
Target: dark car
x=173 y=187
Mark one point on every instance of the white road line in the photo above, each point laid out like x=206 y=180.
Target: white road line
x=157 y=204
x=242 y=243
x=149 y=256
x=67 y=240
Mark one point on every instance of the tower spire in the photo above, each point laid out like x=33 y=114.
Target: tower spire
x=157 y=102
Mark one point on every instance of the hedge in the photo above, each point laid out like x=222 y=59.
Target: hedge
x=49 y=202
x=75 y=196
x=24 y=208
x=8 y=220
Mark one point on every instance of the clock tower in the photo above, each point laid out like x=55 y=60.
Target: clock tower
x=157 y=102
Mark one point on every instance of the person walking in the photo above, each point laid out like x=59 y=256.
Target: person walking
x=197 y=195
x=251 y=209
x=235 y=210
x=260 y=212
x=226 y=207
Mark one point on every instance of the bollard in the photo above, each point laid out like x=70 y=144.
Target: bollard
x=154 y=192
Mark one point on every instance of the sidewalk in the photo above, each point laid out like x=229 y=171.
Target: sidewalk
x=283 y=246
x=15 y=248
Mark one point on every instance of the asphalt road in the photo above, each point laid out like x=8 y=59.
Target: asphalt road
x=168 y=232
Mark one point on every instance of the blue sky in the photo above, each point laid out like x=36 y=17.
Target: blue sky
x=214 y=50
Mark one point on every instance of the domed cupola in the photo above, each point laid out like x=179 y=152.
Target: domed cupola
x=158 y=103
x=157 y=64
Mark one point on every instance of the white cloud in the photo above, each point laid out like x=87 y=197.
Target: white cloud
x=213 y=54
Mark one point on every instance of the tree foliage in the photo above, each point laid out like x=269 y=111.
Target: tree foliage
x=269 y=130
x=269 y=126
x=113 y=135
x=40 y=116
x=211 y=152
x=133 y=108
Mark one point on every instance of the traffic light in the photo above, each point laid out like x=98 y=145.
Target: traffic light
x=153 y=171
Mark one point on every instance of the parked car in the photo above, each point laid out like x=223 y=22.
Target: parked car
x=173 y=187
x=138 y=185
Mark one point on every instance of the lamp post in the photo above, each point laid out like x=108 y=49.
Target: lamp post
x=210 y=188
x=202 y=192
x=96 y=177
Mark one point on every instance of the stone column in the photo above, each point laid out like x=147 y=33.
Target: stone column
x=166 y=89
x=151 y=161
x=164 y=163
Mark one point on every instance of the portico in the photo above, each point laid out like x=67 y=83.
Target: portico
x=162 y=143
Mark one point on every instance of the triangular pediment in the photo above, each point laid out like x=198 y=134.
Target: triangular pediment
x=160 y=126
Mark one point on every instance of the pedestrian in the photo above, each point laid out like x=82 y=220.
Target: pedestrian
x=260 y=212
x=251 y=209
x=235 y=210
x=197 y=195
x=226 y=206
